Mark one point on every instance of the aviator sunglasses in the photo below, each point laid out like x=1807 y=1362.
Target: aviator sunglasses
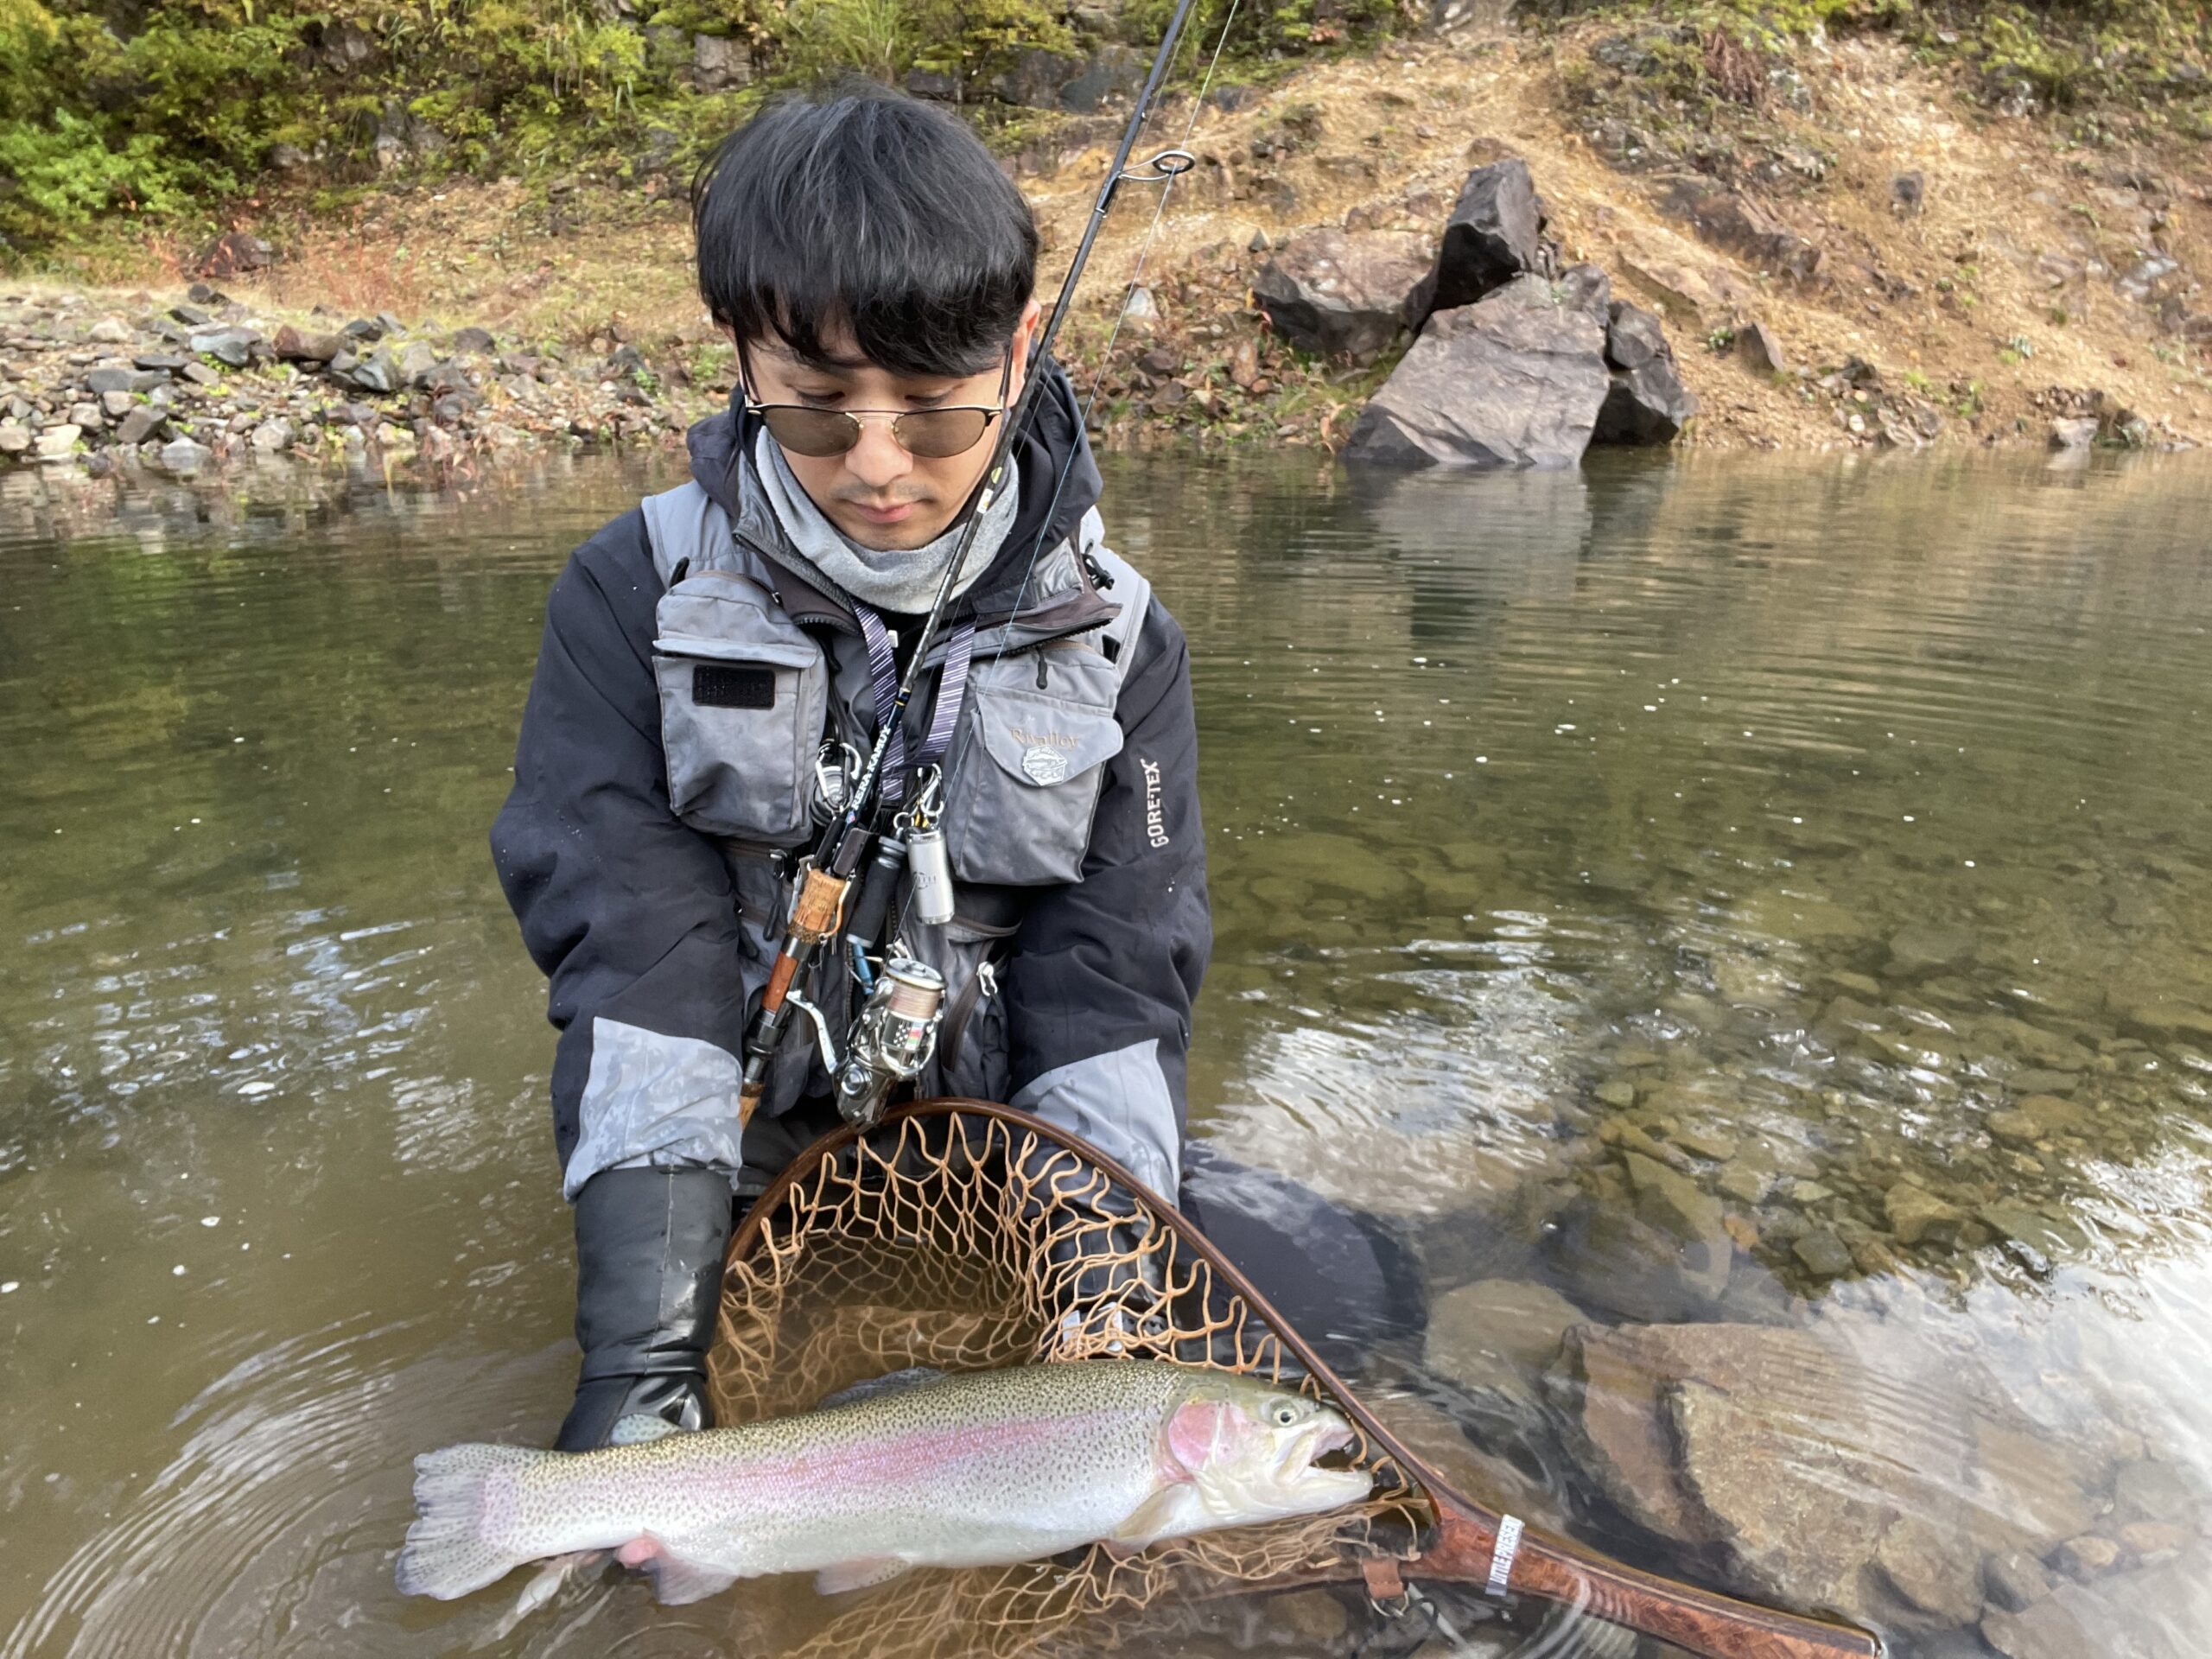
x=928 y=434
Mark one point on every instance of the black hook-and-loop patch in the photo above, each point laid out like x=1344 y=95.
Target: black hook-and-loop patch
x=723 y=685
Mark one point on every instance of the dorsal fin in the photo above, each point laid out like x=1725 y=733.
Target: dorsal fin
x=638 y=1427
x=913 y=1376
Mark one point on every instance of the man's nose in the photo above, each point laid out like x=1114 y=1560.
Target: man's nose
x=877 y=460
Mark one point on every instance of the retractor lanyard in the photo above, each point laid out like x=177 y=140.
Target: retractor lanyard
x=951 y=691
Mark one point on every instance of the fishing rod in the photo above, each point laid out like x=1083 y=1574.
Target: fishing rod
x=900 y=1020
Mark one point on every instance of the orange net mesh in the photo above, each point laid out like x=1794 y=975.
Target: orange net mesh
x=962 y=1240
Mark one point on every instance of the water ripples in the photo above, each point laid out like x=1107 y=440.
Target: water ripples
x=1821 y=813
x=272 y=1529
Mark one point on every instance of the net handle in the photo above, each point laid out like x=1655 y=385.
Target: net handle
x=1465 y=1547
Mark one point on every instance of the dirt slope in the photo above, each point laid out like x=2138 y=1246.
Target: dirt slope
x=1996 y=298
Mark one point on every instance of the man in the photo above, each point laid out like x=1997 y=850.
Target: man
x=713 y=663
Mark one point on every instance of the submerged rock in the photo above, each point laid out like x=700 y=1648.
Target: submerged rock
x=1497 y=1334
x=1621 y=1263
x=1929 y=947
x=1823 y=1480
x=2147 y=1489
x=2158 y=1612
x=1672 y=1201
x=1516 y=380
x=1915 y=1215
x=1823 y=1254
x=2049 y=1629
x=2015 y=1580
x=2044 y=1237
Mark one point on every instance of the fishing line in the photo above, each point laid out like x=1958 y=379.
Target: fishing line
x=966 y=738
x=1129 y=292
x=1167 y=178
x=821 y=885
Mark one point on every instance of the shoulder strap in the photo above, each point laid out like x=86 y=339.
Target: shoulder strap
x=1127 y=587
x=686 y=524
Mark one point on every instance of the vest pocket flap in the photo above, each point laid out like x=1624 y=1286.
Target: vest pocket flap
x=1023 y=818
x=777 y=652
x=744 y=698
x=1044 y=740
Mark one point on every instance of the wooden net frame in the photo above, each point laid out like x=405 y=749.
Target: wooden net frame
x=964 y=1236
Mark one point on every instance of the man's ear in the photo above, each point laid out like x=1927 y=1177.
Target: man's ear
x=1024 y=334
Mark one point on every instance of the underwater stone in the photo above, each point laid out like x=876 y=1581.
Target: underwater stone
x=1496 y=1333
x=2008 y=1218
x=1823 y=1253
x=1927 y=948
x=2087 y=1556
x=2016 y=1579
x=1915 y=1215
x=1742 y=1183
x=1707 y=1143
x=2147 y=1489
x=1932 y=1568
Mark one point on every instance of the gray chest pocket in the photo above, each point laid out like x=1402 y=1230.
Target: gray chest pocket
x=744 y=695
x=1019 y=812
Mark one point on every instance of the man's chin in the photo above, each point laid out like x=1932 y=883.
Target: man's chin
x=918 y=528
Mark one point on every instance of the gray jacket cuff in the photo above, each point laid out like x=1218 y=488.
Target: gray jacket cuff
x=1120 y=1103
x=654 y=1100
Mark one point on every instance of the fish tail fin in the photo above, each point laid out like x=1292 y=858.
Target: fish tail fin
x=446 y=1553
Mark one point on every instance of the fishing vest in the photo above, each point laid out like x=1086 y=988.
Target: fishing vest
x=751 y=694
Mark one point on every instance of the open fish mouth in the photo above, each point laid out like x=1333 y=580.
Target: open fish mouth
x=1326 y=1445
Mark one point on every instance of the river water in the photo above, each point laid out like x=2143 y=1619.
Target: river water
x=1768 y=895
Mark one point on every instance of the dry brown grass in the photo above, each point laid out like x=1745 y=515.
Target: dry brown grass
x=348 y=269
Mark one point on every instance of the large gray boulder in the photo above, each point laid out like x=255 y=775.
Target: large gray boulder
x=1647 y=402
x=1341 y=291
x=1516 y=380
x=1495 y=234
x=1820 y=1472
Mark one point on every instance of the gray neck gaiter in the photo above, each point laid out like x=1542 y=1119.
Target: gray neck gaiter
x=902 y=580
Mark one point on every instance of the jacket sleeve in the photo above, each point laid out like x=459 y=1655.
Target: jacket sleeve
x=630 y=914
x=1099 y=993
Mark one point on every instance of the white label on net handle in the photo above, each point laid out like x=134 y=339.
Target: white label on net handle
x=1502 y=1553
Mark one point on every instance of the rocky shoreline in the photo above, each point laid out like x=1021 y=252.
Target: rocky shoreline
x=184 y=387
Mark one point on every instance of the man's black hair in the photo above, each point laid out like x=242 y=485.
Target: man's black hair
x=862 y=207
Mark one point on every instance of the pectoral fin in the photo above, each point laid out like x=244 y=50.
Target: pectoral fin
x=677 y=1580
x=1161 y=1516
x=555 y=1571
x=859 y=1574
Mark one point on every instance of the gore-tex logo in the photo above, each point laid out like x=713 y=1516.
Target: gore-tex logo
x=1155 y=829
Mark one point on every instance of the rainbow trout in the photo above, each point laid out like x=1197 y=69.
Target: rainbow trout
x=976 y=1469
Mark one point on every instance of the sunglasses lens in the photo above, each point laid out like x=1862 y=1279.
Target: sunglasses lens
x=817 y=433
x=934 y=433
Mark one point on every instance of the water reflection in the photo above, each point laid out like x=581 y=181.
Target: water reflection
x=1767 y=895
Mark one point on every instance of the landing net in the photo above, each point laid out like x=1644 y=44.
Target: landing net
x=963 y=1240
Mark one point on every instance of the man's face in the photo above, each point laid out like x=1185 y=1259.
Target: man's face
x=877 y=492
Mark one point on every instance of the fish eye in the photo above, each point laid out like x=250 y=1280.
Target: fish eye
x=1286 y=1414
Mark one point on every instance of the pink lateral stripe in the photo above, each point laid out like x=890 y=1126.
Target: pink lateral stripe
x=873 y=1464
